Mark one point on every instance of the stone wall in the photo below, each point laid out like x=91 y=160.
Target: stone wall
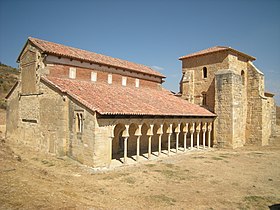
x=81 y=144
x=193 y=84
x=254 y=124
x=229 y=129
x=12 y=115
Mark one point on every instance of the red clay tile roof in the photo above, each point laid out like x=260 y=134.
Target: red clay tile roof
x=118 y=100
x=70 y=52
x=216 y=49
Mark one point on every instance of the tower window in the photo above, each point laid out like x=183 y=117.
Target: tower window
x=243 y=77
x=204 y=72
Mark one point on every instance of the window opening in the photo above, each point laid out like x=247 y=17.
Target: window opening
x=137 y=83
x=124 y=81
x=203 y=99
x=72 y=73
x=204 y=72
x=110 y=78
x=93 y=76
x=79 y=122
x=243 y=77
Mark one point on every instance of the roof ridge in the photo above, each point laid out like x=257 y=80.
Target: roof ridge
x=99 y=58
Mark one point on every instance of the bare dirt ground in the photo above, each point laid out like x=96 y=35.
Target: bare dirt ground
x=244 y=178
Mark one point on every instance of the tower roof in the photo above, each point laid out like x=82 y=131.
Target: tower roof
x=217 y=49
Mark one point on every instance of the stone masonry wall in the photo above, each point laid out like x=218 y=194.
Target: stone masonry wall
x=254 y=124
x=12 y=115
x=229 y=131
x=53 y=121
x=81 y=144
x=38 y=120
x=196 y=85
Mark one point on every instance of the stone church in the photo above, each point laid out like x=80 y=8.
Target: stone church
x=95 y=108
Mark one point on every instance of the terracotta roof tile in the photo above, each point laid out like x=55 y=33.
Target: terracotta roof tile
x=118 y=100
x=216 y=49
x=71 y=52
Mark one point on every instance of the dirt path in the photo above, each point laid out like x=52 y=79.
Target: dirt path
x=245 y=178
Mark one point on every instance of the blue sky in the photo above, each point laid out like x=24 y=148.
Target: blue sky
x=151 y=32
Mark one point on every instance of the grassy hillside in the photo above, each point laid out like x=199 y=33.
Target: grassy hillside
x=8 y=77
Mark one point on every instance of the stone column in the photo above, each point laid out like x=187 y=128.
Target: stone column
x=125 y=135
x=125 y=150
x=150 y=134
x=197 y=134
x=110 y=146
x=138 y=134
x=138 y=148
x=209 y=134
x=185 y=130
x=150 y=147
x=204 y=128
x=192 y=132
x=169 y=131
x=177 y=131
x=160 y=132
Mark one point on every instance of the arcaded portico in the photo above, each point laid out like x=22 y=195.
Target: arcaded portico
x=134 y=137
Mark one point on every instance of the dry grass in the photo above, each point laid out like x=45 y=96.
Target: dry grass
x=245 y=178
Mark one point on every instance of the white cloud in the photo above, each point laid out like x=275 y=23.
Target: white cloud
x=157 y=68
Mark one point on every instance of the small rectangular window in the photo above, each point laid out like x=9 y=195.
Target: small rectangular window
x=137 y=83
x=29 y=120
x=93 y=76
x=110 y=78
x=72 y=73
x=124 y=81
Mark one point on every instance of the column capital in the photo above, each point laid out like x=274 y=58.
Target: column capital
x=138 y=131
x=126 y=131
x=160 y=130
x=169 y=129
x=150 y=130
x=198 y=127
x=192 y=128
x=177 y=129
x=185 y=127
x=204 y=127
x=209 y=127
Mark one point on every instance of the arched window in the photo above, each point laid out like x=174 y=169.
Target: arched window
x=79 y=122
x=243 y=77
x=204 y=72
